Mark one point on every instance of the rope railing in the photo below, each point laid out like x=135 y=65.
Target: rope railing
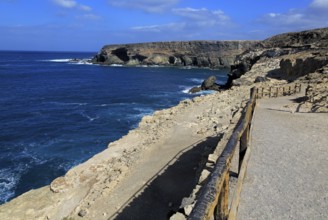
x=213 y=200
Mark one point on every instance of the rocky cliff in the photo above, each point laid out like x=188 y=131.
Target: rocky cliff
x=299 y=56
x=95 y=189
x=299 y=53
x=315 y=38
x=213 y=54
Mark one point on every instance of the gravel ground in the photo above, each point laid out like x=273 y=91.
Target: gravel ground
x=287 y=175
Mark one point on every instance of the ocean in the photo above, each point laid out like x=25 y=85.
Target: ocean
x=55 y=114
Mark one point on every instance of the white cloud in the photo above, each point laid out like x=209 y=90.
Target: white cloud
x=72 y=4
x=203 y=17
x=160 y=28
x=315 y=15
x=66 y=3
x=319 y=4
x=191 y=19
x=149 y=28
x=85 y=8
x=152 y=6
x=90 y=16
x=290 y=19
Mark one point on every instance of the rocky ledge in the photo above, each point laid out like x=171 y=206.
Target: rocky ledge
x=109 y=183
x=300 y=56
x=212 y=54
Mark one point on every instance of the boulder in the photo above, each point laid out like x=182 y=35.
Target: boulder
x=208 y=83
x=260 y=79
x=195 y=89
x=242 y=82
x=178 y=216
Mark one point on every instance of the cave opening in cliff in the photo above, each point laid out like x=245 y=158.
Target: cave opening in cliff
x=122 y=54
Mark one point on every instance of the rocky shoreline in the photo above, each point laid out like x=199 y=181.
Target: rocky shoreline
x=211 y=54
x=100 y=187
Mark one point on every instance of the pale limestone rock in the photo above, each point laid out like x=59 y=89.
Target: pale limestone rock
x=59 y=185
x=178 y=216
x=212 y=158
x=204 y=175
x=187 y=209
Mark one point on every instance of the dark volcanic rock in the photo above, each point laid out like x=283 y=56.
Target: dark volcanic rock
x=298 y=44
x=195 y=89
x=260 y=79
x=304 y=39
x=213 y=54
x=239 y=55
x=208 y=83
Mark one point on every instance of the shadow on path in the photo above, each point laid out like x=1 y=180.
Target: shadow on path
x=159 y=198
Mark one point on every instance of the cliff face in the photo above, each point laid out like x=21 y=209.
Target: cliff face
x=87 y=190
x=213 y=54
x=299 y=53
x=300 y=57
x=305 y=39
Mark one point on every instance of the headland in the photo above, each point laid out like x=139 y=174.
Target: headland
x=134 y=176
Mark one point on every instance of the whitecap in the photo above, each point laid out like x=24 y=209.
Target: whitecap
x=116 y=65
x=81 y=62
x=59 y=60
x=88 y=116
x=9 y=178
x=68 y=103
x=202 y=92
x=160 y=95
x=196 y=80
x=8 y=182
x=142 y=111
x=186 y=89
x=117 y=104
x=34 y=159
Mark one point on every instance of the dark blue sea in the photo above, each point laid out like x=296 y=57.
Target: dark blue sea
x=55 y=114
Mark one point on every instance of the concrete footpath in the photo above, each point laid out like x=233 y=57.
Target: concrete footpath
x=287 y=174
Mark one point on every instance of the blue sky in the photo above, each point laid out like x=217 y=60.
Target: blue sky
x=87 y=25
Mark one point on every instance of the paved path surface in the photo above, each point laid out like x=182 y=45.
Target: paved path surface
x=287 y=174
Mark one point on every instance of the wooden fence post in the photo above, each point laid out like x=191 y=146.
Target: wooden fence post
x=221 y=211
x=243 y=146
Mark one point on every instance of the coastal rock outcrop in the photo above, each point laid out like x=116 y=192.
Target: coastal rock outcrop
x=299 y=53
x=92 y=189
x=213 y=54
x=207 y=84
x=301 y=65
x=316 y=38
x=316 y=93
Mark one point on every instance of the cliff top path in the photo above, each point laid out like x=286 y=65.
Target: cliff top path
x=287 y=174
